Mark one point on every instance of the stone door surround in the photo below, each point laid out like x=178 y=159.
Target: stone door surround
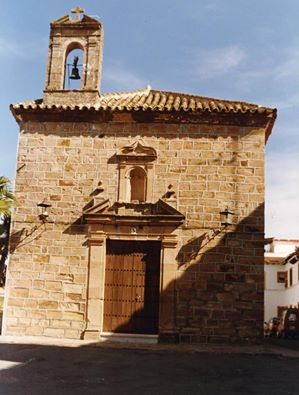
x=156 y=222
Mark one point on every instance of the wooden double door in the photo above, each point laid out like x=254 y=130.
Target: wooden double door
x=132 y=283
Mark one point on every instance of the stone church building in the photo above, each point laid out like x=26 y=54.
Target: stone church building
x=140 y=213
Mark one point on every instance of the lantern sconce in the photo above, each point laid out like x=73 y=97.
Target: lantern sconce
x=43 y=216
x=226 y=217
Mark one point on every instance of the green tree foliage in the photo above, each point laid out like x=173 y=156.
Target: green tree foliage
x=7 y=200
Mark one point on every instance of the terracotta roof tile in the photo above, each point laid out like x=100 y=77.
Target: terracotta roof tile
x=289 y=259
x=269 y=260
x=154 y=100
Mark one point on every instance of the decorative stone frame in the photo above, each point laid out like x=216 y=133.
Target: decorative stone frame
x=134 y=156
x=132 y=222
x=96 y=279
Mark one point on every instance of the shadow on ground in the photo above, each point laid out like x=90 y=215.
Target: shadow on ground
x=36 y=369
x=290 y=344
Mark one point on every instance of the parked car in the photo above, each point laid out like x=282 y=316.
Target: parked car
x=289 y=325
x=271 y=327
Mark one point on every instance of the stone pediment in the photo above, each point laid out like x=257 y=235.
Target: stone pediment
x=136 y=151
x=67 y=19
x=88 y=19
x=62 y=19
x=159 y=213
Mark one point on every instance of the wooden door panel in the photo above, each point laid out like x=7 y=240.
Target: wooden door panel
x=132 y=274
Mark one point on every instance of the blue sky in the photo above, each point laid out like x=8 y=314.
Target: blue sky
x=235 y=49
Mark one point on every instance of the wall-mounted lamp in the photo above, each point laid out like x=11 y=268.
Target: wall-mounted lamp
x=226 y=217
x=43 y=216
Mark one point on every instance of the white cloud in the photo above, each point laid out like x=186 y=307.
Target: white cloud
x=289 y=101
x=23 y=49
x=217 y=62
x=215 y=9
x=284 y=67
x=117 y=75
x=9 y=48
x=282 y=195
x=248 y=71
x=289 y=67
x=210 y=7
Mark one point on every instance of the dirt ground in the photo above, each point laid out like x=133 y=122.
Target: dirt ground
x=107 y=369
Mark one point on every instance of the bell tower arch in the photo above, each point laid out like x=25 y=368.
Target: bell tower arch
x=66 y=34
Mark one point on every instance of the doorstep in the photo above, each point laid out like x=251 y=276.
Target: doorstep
x=129 y=338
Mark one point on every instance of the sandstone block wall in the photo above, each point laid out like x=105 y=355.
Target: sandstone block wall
x=217 y=273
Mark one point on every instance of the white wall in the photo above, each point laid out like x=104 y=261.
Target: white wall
x=277 y=294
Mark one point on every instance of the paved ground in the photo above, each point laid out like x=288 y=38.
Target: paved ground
x=83 y=368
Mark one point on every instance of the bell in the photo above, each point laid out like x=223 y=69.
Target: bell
x=75 y=71
x=75 y=74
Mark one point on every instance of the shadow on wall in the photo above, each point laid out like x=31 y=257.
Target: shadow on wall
x=219 y=296
x=4 y=239
x=218 y=293
x=22 y=237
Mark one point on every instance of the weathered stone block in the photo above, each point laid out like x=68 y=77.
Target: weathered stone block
x=19 y=292
x=34 y=331
x=48 y=304
x=73 y=288
x=53 y=285
x=53 y=332
x=72 y=316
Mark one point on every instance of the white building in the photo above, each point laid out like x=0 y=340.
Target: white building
x=281 y=276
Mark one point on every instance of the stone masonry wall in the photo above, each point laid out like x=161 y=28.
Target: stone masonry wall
x=218 y=273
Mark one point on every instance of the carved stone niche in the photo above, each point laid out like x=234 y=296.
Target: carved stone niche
x=136 y=173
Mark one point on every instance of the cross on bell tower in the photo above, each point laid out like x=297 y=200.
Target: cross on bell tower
x=78 y=11
x=86 y=35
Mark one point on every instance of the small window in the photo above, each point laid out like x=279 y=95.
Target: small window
x=291 y=277
x=281 y=277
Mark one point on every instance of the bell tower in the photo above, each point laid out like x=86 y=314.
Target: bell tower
x=82 y=33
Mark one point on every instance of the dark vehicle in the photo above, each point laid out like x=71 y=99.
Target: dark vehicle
x=272 y=326
x=289 y=325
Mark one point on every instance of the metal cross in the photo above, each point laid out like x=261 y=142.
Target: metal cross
x=77 y=10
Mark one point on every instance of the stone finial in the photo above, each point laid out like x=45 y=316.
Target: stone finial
x=170 y=194
x=97 y=194
x=78 y=11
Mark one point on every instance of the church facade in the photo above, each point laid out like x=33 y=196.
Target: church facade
x=139 y=213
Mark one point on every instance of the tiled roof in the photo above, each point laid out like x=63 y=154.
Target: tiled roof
x=155 y=100
x=292 y=258
x=270 y=260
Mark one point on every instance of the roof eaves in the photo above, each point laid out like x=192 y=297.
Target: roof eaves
x=154 y=100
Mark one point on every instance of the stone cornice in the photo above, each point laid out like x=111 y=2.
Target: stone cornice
x=86 y=114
